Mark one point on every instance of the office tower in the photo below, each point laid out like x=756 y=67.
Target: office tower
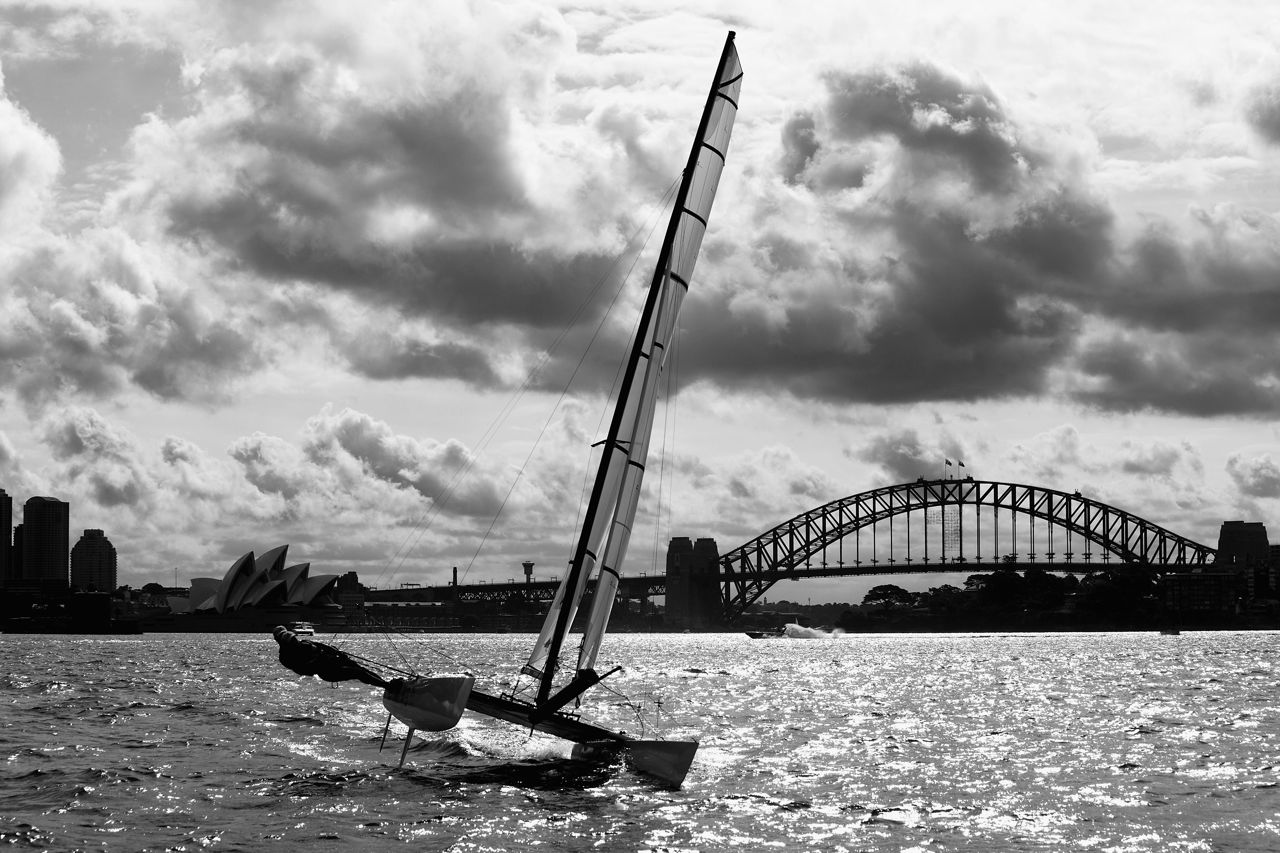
x=93 y=563
x=44 y=543
x=15 y=555
x=7 y=570
x=1244 y=545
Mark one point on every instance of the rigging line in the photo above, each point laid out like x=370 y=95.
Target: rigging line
x=565 y=392
x=420 y=529
x=636 y=708
x=669 y=413
x=386 y=630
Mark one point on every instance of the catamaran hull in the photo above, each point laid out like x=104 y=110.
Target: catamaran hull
x=430 y=704
x=666 y=760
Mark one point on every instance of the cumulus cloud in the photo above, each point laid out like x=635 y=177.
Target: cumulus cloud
x=1187 y=327
x=903 y=455
x=334 y=491
x=29 y=164
x=102 y=313
x=916 y=257
x=1159 y=458
x=923 y=244
x=1053 y=456
x=911 y=238
x=1256 y=477
x=435 y=470
x=736 y=495
x=407 y=162
x=99 y=461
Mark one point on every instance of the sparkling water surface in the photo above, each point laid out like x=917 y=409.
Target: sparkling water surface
x=1109 y=742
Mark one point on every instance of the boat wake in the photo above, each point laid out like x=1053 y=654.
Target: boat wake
x=800 y=632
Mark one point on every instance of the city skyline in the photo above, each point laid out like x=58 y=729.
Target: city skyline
x=272 y=277
x=36 y=555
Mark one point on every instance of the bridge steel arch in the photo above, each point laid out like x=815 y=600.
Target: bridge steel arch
x=749 y=570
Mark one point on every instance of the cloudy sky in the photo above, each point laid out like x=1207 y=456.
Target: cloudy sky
x=317 y=273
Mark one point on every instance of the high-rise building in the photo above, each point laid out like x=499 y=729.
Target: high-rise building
x=1244 y=546
x=6 y=529
x=15 y=555
x=44 y=543
x=93 y=563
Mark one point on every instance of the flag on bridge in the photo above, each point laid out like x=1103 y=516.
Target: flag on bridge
x=961 y=464
x=948 y=461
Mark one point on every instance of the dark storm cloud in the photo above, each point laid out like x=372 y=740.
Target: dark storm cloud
x=917 y=243
x=380 y=356
x=950 y=329
x=1189 y=376
x=449 y=150
x=976 y=231
x=902 y=455
x=905 y=457
x=933 y=115
x=404 y=204
x=1193 y=322
x=967 y=261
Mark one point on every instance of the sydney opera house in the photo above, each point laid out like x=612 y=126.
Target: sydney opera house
x=254 y=594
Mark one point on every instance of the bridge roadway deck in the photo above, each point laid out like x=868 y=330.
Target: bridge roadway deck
x=644 y=586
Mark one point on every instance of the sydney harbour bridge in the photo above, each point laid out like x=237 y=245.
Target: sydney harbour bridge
x=944 y=525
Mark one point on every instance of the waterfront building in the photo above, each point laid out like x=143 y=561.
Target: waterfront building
x=1202 y=592
x=44 y=543
x=93 y=563
x=1243 y=545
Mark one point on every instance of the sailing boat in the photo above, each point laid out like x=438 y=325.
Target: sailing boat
x=437 y=703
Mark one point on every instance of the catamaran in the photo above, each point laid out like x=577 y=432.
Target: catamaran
x=437 y=703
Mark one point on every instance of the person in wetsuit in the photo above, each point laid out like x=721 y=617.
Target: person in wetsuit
x=307 y=657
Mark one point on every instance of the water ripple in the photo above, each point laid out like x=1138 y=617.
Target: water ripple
x=1122 y=742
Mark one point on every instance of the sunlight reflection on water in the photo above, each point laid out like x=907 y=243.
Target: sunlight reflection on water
x=1128 y=742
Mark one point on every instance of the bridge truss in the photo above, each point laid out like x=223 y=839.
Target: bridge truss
x=787 y=551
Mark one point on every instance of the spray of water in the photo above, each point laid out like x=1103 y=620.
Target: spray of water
x=800 y=632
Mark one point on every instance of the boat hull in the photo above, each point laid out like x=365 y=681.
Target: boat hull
x=429 y=704
x=665 y=760
x=668 y=760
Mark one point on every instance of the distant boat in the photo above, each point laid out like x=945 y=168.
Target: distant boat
x=302 y=629
x=437 y=703
x=776 y=633
x=1170 y=632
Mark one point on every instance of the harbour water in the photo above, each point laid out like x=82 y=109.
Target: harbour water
x=1108 y=742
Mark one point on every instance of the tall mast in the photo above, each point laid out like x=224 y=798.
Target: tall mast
x=629 y=411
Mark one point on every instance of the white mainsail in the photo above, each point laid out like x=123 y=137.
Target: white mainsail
x=616 y=494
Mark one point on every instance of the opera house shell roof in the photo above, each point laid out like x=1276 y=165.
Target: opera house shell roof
x=257 y=582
